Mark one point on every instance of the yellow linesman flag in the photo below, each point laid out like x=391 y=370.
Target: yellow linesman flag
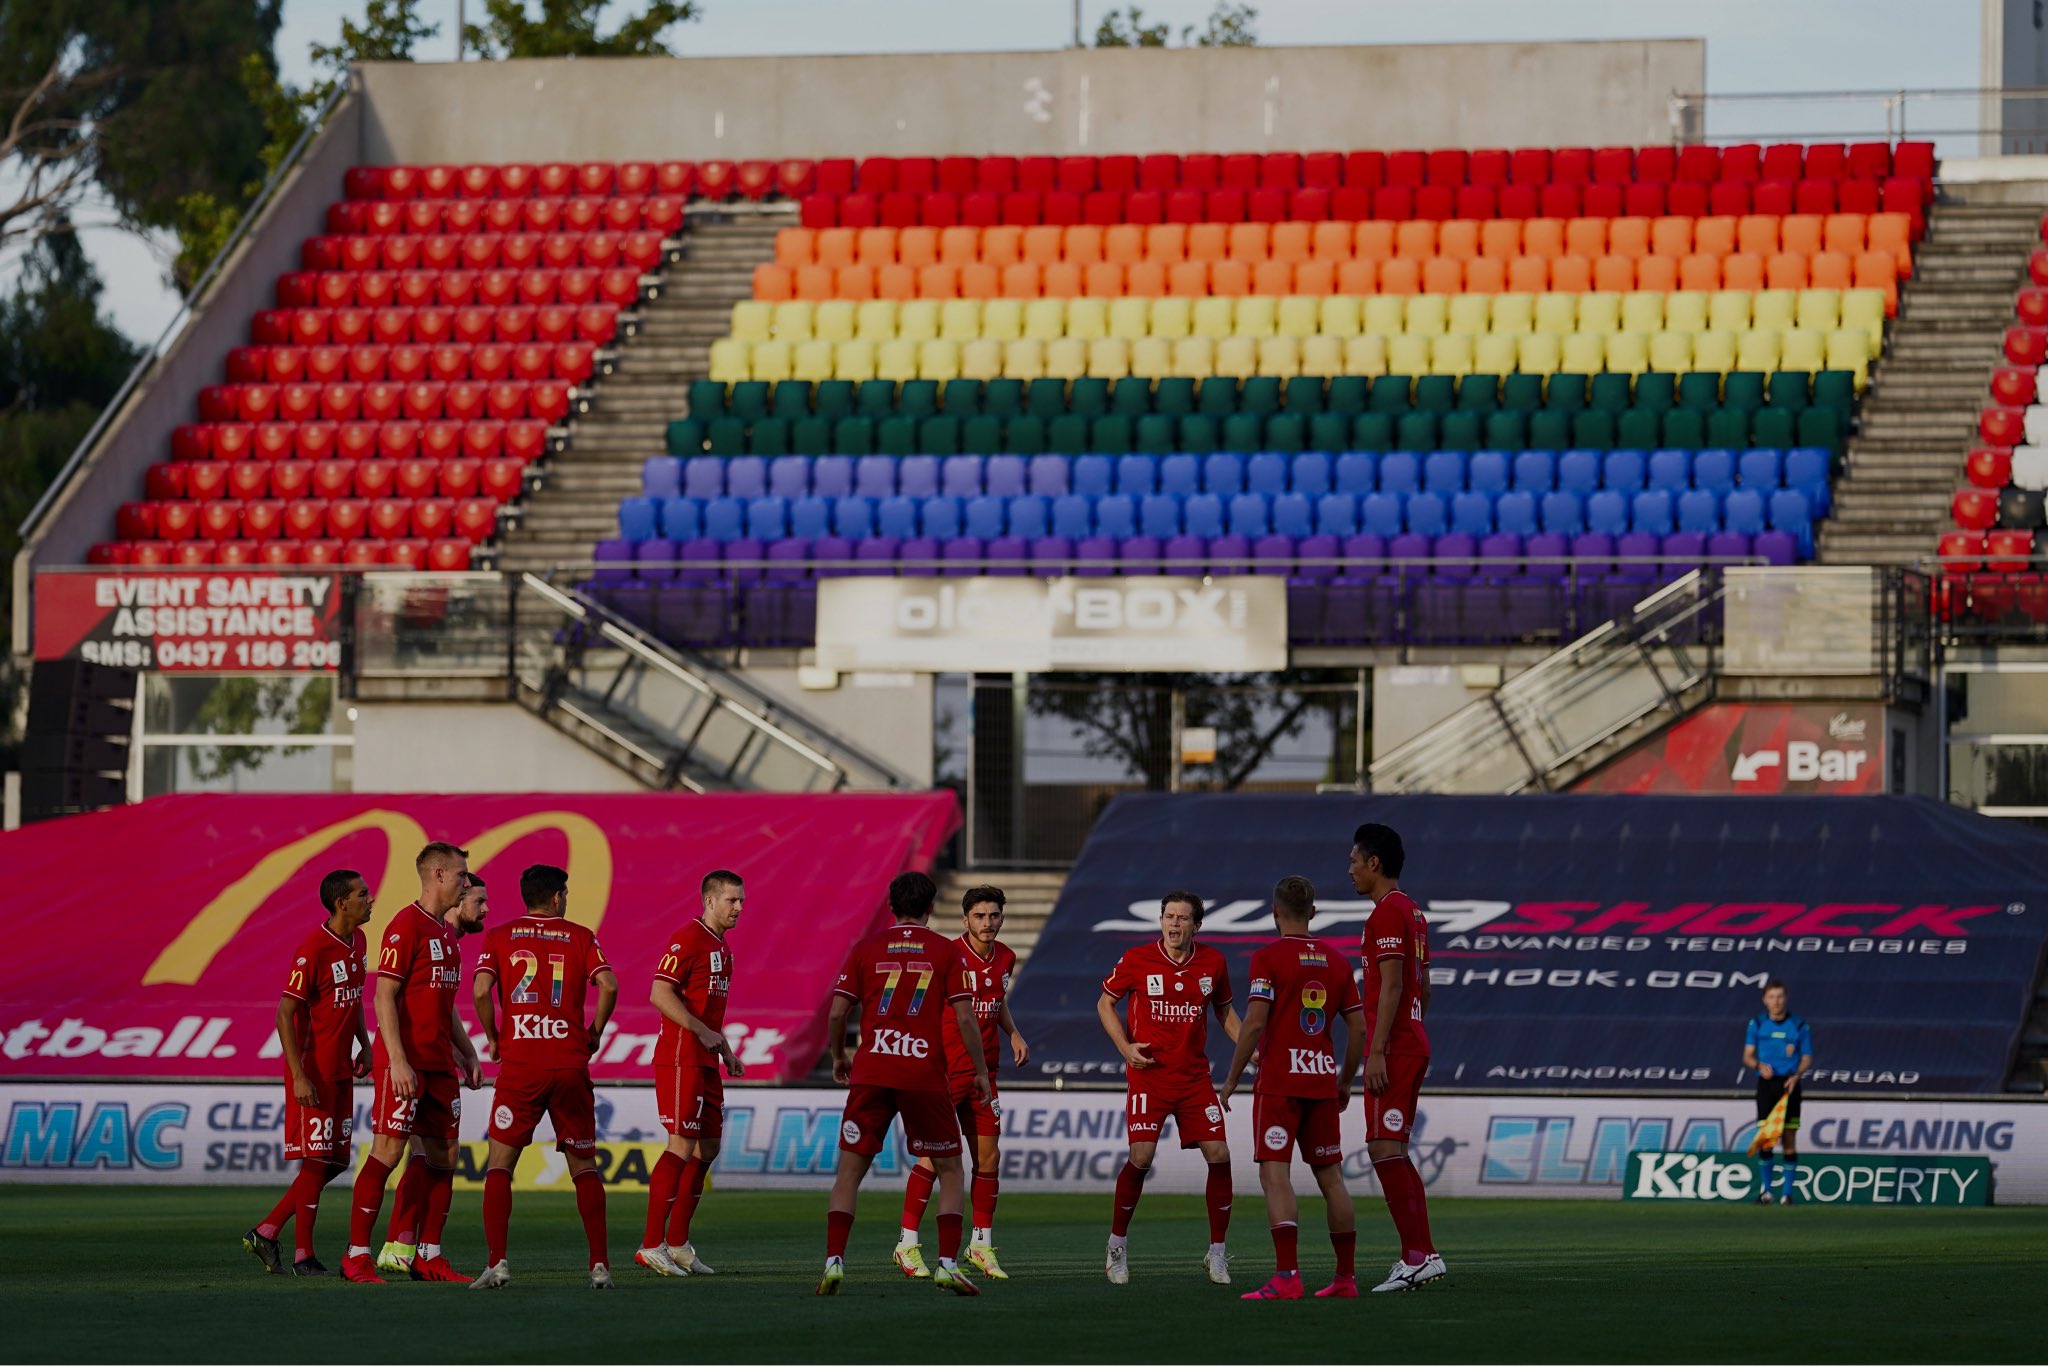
x=1772 y=1127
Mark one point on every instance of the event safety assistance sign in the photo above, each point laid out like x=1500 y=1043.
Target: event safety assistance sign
x=1836 y=1179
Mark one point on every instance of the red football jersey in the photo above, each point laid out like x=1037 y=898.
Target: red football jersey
x=1395 y=932
x=420 y=954
x=543 y=964
x=905 y=980
x=1169 y=1005
x=698 y=964
x=1309 y=985
x=988 y=979
x=327 y=974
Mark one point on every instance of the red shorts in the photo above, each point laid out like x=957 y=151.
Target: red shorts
x=1391 y=1113
x=1191 y=1101
x=690 y=1101
x=563 y=1094
x=434 y=1112
x=323 y=1130
x=930 y=1128
x=1279 y=1122
x=978 y=1118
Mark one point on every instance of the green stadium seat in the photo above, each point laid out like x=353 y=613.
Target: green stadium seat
x=1260 y=394
x=1348 y=395
x=1046 y=399
x=1550 y=430
x=1372 y=432
x=833 y=399
x=1685 y=429
x=854 y=435
x=1791 y=389
x=1743 y=389
x=1728 y=427
x=728 y=436
x=1566 y=393
x=748 y=400
x=1390 y=395
x=1609 y=392
x=1110 y=434
x=768 y=437
x=1174 y=397
x=1593 y=429
x=876 y=399
x=896 y=435
x=1656 y=390
x=1460 y=430
x=1242 y=431
x=1639 y=429
x=1067 y=434
x=918 y=399
x=982 y=433
x=1521 y=393
x=1416 y=431
x=1131 y=396
x=686 y=436
x=1699 y=390
x=810 y=436
x=1024 y=434
x=1775 y=427
x=1286 y=433
x=961 y=398
x=1302 y=394
x=1479 y=393
x=1330 y=432
x=1835 y=389
x=1435 y=393
x=1823 y=426
x=939 y=436
x=792 y=400
x=707 y=399
x=1152 y=434
x=1198 y=434
x=1507 y=430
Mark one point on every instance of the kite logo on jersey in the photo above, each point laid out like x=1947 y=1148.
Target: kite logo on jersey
x=1155 y=984
x=849 y=1133
x=894 y=1043
x=538 y=1028
x=1314 y=997
x=1393 y=1119
x=1276 y=1137
x=1311 y=1062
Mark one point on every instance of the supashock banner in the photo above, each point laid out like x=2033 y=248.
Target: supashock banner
x=1736 y=1178
x=788 y=1138
x=204 y=621
x=153 y=940
x=1754 y=748
x=1601 y=942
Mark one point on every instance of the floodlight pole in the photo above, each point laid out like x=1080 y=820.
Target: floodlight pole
x=1077 y=23
x=458 y=30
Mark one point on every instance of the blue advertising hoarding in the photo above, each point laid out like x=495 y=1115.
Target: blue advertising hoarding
x=1600 y=942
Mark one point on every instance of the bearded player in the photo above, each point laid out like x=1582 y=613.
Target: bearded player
x=1395 y=947
x=905 y=980
x=423 y=1052
x=422 y=1198
x=540 y=968
x=1168 y=989
x=692 y=984
x=1299 y=986
x=990 y=965
x=320 y=1028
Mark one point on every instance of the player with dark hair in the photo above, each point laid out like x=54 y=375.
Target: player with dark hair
x=1779 y=1046
x=423 y=1052
x=1395 y=947
x=989 y=964
x=539 y=968
x=1167 y=990
x=320 y=1028
x=905 y=980
x=692 y=983
x=1299 y=986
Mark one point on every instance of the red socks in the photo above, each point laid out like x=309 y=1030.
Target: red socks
x=1130 y=1184
x=1218 y=1193
x=440 y=1190
x=949 y=1236
x=838 y=1228
x=1286 y=1240
x=917 y=1193
x=312 y=1177
x=1402 y=1185
x=661 y=1193
x=498 y=1212
x=984 y=1194
x=368 y=1198
x=282 y=1210
x=690 y=1190
x=1347 y=1250
x=409 y=1202
x=590 y=1205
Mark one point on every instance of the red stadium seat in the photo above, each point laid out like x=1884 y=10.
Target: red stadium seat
x=2031 y=307
x=501 y=479
x=407 y=363
x=2003 y=426
x=348 y=518
x=206 y=479
x=164 y=481
x=2023 y=346
x=262 y=519
x=1989 y=467
x=333 y=479
x=356 y=441
x=177 y=521
x=406 y=553
x=440 y=440
x=432 y=517
x=135 y=521
x=1974 y=509
x=235 y=552
x=476 y=519
x=291 y=478
x=448 y=556
x=526 y=440
x=248 y=479
x=192 y=441
x=233 y=440
x=390 y=517
x=677 y=179
x=277 y=553
x=2013 y=386
x=297 y=403
x=221 y=519
x=320 y=552
x=362 y=554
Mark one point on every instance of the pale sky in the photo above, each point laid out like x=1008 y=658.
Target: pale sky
x=1752 y=45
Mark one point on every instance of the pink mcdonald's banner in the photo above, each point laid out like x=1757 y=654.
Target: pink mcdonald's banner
x=153 y=940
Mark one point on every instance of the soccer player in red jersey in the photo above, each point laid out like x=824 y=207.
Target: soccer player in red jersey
x=692 y=983
x=423 y=1055
x=1395 y=947
x=1168 y=990
x=905 y=980
x=1300 y=985
x=990 y=965
x=320 y=1028
x=424 y=1189
x=540 y=968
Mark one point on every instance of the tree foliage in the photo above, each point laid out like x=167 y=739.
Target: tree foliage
x=1228 y=25
x=236 y=705
x=569 y=28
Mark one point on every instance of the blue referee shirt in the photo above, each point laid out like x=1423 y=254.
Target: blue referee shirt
x=1780 y=1044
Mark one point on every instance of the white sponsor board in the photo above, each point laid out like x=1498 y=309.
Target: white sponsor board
x=1507 y=1145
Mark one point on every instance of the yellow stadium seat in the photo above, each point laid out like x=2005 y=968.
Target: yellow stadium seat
x=1130 y=318
x=1802 y=349
x=1296 y=316
x=981 y=359
x=1066 y=358
x=1558 y=313
x=1322 y=356
x=1152 y=358
x=1024 y=359
x=1087 y=319
x=854 y=360
x=833 y=320
x=729 y=361
x=1045 y=319
x=1450 y=354
x=1002 y=319
x=1728 y=310
x=1194 y=358
x=1819 y=308
x=1538 y=353
x=752 y=322
x=1513 y=314
x=1864 y=308
x=1279 y=356
x=1759 y=349
x=876 y=320
x=1600 y=311
x=1173 y=318
x=1426 y=315
x=1714 y=350
x=1256 y=315
x=917 y=320
x=1469 y=315
x=1848 y=348
x=1776 y=309
x=1383 y=315
x=1671 y=352
x=960 y=319
x=1237 y=357
x=770 y=361
x=811 y=361
x=1642 y=311
x=792 y=321
x=1584 y=353
x=1685 y=311
x=1340 y=315
x=896 y=360
x=1365 y=353
x=1109 y=358
x=1628 y=352
x=938 y=359
x=1213 y=318
x=1494 y=353
x=1407 y=355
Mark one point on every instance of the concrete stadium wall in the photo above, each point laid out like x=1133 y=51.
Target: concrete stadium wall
x=1075 y=101
x=472 y=747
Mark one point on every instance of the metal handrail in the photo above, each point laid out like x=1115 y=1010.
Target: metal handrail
x=186 y=306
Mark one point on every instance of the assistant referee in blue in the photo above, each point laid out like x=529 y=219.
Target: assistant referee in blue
x=1779 y=1046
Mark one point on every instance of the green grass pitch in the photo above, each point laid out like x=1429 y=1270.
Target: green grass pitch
x=95 y=1274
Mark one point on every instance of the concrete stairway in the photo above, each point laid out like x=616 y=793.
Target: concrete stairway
x=1029 y=899
x=1919 y=418
x=684 y=310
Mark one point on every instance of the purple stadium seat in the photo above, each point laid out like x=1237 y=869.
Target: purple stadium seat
x=1364 y=556
x=655 y=560
x=1139 y=554
x=1096 y=556
x=614 y=560
x=1272 y=553
x=1638 y=546
x=1183 y=555
x=1006 y=555
x=1048 y=554
x=1503 y=551
x=740 y=552
x=1777 y=547
x=1454 y=552
x=1317 y=548
x=918 y=555
x=826 y=549
x=1229 y=554
x=1727 y=545
x=963 y=556
x=789 y=561
x=877 y=551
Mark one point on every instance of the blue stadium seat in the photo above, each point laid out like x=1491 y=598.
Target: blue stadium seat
x=682 y=519
x=1073 y=516
x=1049 y=476
x=1806 y=469
x=1742 y=509
x=987 y=518
x=1353 y=473
x=1760 y=469
x=1309 y=473
x=1382 y=513
x=1250 y=516
x=917 y=476
x=1563 y=511
x=1607 y=511
x=1536 y=471
x=1791 y=511
x=1443 y=471
x=897 y=517
x=1093 y=475
x=1699 y=511
x=1180 y=475
x=1670 y=469
x=1293 y=515
x=832 y=475
x=1400 y=472
x=746 y=476
x=1651 y=512
x=1203 y=515
x=1622 y=470
x=1116 y=516
x=1136 y=475
x=1223 y=474
x=661 y=477
x=1337 y=513
x=1427 y=514
x=941 y=517
x=1159 y=515
x=1030 y=516
x=703 y=476
x=725 y=519
x=1472 y=513
x=874 y=476
x=1714 y=469
x=639 y=519
x=960 y=476
x=767 y=518
x=1004 y=476
x=1578 y=471
x=789 y=476
x=1487 y=471
x=1266 y=473
x=810 y=518
x=1515 y=512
